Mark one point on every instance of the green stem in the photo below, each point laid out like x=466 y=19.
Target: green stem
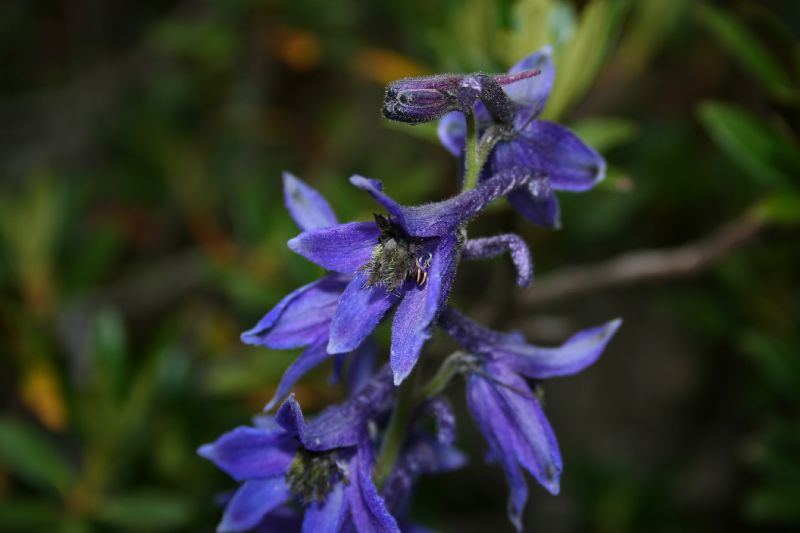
x=472 y=160
x=395 y=431
x=446 y=372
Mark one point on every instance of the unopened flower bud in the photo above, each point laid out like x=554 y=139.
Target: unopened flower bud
x=418 y=100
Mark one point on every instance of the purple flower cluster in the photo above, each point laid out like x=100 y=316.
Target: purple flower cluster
x=353 y=466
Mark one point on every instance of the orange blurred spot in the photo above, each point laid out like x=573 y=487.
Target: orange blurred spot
x=41 y=393
x=383 y=66
x=299 y=49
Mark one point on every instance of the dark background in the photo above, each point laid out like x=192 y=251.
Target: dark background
x=142 y=229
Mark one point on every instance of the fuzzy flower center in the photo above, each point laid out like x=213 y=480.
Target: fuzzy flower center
x=396 y=258
x=312 y=475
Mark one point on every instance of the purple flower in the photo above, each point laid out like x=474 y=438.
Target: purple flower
x=324 y=465
x=407 y=258
x=539 y=146
x=505 y=408
x=303 y=318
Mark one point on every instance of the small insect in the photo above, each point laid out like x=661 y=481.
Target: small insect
x=396 y=258
x=421 y=272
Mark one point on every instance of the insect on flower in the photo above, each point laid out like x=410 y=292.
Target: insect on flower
x=395 y=258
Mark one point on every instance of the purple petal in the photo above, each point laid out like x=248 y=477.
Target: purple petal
x=253 y=500
x=327 y=516
x=527 y=89
x=538 y=204
x=368 y=510
x=472 y=335
x=443 y=218
x=309 y=359
x=488 y=247
x=537 y=448
x=281 y=520
x=375 y=189
x=422 y=455
x=420 y=306
x=442 y=411
x=553 y=150
x=308 y=208
x=362 y=366
x=452 y=131
x=359 y=312
x=246 y=452
x=343 y=248
x=300 y=318
x=339 y=425
x=502 y=438
x=580 y=351
x=511 y=349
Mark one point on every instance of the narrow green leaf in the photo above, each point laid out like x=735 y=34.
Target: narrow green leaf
x=579 y=60
x=604 y=133
x=760 y=151
x=737 y=39
x=28 y=453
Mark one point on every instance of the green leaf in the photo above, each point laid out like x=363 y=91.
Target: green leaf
x=579 y=60
x=604 y=133
x=737 y=39
x=28 y=515
x=28 y=453
x=145 y=511
x=759 y=150
x=773 y=504
x=108 y=354
x=782 y=208
x=776 y=361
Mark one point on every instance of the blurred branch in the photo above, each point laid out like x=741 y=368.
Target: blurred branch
x=642 y=266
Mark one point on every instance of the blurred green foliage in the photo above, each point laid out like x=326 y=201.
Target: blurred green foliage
x=142 y=228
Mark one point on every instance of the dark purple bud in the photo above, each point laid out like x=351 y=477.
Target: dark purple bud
x=418 y=100
x=486 y=89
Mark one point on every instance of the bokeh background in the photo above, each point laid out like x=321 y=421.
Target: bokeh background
x=142 y=229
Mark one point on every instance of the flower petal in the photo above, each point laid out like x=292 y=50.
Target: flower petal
x=445 y=419
x=253 y=500
x=342 y=248
x=537 y=203
x=512 y=350
x=488 y=247
x=527 y=89
x=362 y=366
x=327 y=516
x=501 y=436
x=375 y=189
x=308 y=208
x=247 y=452
x=309 y=359
x=420 y=306
x=339 y=425
x=359 y=312
x=578 y=352
x=421 y=455
x=452 y=131
x=443 y=218
x=553 y=150
x=300 y=318
x=368 y=510
x=538 y=452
